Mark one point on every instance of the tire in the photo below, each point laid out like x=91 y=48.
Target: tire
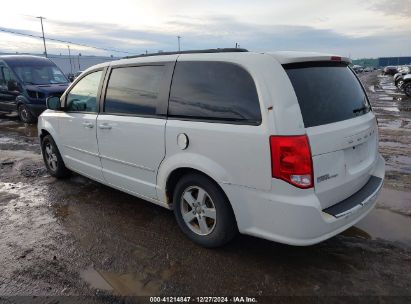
x=210 y=208
x=52 y=158
x=25 y=114
x=407 y=88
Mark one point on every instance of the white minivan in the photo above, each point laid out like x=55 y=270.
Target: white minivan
x=282 y=146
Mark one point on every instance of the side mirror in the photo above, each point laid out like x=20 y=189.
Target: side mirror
x=12 y=85
x=53 y=103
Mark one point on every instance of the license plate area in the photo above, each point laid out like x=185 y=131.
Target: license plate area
x=357 y=154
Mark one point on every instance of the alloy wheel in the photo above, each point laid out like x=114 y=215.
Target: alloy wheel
x=51 y=156
x=198 y=210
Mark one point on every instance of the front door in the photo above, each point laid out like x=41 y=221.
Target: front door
x=8 y=90
x=77 y=127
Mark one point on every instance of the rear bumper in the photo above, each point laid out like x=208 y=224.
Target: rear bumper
x=294 y=216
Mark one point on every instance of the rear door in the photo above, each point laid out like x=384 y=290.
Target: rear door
x=340 y=126
x=130 y=129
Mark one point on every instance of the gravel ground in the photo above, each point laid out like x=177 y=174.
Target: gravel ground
x=77 y=237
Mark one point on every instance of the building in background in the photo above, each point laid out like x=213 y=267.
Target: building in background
x=384 y=61
x=74 y=63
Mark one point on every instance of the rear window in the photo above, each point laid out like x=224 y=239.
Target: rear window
x=327 y=92
x=214 y=91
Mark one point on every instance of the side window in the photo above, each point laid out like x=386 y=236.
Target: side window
x=216 y=91
x=2 y=78
x=134 y=90
x=5 y=76
x=83 y=96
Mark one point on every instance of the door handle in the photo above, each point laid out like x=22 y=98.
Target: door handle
x=105 y=126
x=88 y=125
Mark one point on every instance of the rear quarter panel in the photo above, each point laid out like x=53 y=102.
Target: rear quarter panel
x=231 y=153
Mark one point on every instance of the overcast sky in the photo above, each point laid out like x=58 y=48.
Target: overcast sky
x=370 y=28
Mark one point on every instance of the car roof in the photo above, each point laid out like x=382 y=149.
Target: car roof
x=283 y=57
x=24 y=59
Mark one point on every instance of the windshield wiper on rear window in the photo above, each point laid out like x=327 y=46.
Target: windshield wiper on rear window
x=362 y=109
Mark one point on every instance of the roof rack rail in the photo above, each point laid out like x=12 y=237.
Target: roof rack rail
x=222 y=50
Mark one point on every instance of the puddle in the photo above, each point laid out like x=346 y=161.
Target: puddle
x=388 y=87
x=390 y=98
x=95 y=280
x=387 y=225
x=127 y=284
x=389 y=109
x=356 y=232
x=390 y=220
x=62 y=211
x=29 y=130
x=391 y=144
x=385 y=98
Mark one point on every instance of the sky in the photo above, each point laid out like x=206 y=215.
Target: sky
x=371 y=28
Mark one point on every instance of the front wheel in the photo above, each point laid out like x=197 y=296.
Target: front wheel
x=407 y=88
x=203 y=211
x=52 y=158
x=25 y=114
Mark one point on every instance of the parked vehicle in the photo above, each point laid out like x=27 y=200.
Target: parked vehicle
x=398 y=77
x=406 y=84
x=390 y=70
x=358 y=69
x=26 y=82
x=368 y=69
x=230 y=140
x=71 y=76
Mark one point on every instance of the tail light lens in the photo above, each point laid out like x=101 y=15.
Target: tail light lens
x=291 y=160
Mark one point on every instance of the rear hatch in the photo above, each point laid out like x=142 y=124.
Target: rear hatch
x=340 y=126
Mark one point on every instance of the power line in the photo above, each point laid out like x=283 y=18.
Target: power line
x=63 y=41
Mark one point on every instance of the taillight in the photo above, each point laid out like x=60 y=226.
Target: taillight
x=336 y=58
x=291 y=160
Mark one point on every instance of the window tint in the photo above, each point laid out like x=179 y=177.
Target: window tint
x=134 y=90
x=216 y=91
x=5 y=76
x=83 y=96
x=327 y=92
x=40 y=74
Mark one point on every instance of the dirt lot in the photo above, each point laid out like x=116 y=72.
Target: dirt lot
x=77 y=237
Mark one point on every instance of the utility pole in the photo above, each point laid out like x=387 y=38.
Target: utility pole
x=79 y=54
x=71 y=66
x=179 y=48
x=42 y=30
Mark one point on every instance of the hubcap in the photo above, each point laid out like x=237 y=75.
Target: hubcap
x=51 y=157
x=198 y=210
x=24 y=114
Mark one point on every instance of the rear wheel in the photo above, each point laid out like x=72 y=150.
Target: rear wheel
x=407 y=88
x=25 y=114
x=203 y=211
x=52 y=158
